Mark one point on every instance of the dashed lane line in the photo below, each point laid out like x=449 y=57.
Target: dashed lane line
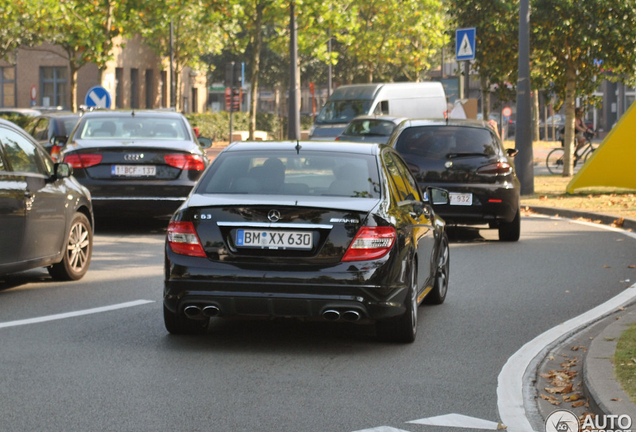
x=74 y=314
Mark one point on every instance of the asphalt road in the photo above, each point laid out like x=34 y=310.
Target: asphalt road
x=118 y=370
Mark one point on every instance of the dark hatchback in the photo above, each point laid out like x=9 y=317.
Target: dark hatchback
x=51 y=130
x=46 y=217
x=135 y=163
x=316 y=230
x=467 y=158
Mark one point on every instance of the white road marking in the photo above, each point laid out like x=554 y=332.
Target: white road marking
x=74 y=314
x=458 y=420
x=510 y=400
x=382 y=429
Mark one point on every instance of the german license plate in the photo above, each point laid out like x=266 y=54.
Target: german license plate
x=134 y=170
x=268 y=239
x=464 y=199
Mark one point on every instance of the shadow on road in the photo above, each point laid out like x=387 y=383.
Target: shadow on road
x=130 y=226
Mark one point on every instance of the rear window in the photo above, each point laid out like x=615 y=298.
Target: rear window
x=281 y=173
x=130 y=127
x=369 y=128
x=438 y=142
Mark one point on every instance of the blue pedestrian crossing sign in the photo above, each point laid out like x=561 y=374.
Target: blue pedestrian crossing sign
x=465 y=44
x=98 y=97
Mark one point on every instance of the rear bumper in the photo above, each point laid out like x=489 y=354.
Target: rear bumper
x=136 y=206
x=491 y=204
x=306 y=294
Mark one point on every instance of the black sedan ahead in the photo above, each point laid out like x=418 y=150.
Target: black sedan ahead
x=467 y=158
x=371 y=129
x=323 y=231
x=46 y=217
x=135 y=163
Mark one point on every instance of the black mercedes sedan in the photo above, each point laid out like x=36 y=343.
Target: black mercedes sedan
x=327 y=231
x=46 y=216
x=467 y=158
x=135 y=163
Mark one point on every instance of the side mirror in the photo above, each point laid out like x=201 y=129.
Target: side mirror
x=437 y=196
x=205 y=142
x=62 y=170
x=511 y=152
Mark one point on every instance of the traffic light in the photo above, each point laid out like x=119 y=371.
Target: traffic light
x=233 y=74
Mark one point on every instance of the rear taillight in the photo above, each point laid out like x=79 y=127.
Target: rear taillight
x=185 y=161
x=55 y=151
x=496 y=169
x=83 y=160
x=183 y=239
x=337 y=138
x=370 y=243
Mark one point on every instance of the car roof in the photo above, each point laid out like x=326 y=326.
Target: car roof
x=331 y=146
x=383 y=117
x=136 y=113
x=449 y=122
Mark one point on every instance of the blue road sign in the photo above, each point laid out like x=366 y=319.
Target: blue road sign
x=465 y=44
x=98 y=96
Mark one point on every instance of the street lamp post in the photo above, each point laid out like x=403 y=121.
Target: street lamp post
x=293 y=122
x=523 y=134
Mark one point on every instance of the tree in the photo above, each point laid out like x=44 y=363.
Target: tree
x=574 y=42
x=84 y=30
x=22 y=25
x=496 y=25
x=196 y=32
x=409 y=43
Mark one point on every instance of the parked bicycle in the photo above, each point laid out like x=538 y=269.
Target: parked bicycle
x=554 y=161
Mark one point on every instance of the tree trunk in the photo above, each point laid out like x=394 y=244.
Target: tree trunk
x=485 y=98
x=256 y=68
x=73 y=85
x=570 y=101
x=535 y=116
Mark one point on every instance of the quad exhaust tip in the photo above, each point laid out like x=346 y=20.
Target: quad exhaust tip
x=351 y=316
x=334 y=315
x=331 y=315
x=211 y=311
x=192 y=312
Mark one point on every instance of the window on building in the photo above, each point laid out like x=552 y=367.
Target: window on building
x=134 y=88
x=7 y=87
x=150 y=90
x=119 y=87
x=54 y=83
x=164 y=89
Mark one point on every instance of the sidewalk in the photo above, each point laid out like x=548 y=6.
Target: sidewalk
x=582 y=364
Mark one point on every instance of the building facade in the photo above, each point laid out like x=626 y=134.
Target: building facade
x=135 y=78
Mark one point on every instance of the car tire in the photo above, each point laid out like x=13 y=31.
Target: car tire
x=442 y=272
x=403 y=328
x=78 y=249
x=180 y=325
x=511 y=231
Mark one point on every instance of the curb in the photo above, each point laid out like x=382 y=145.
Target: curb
x=628 y=223
x=599 y=381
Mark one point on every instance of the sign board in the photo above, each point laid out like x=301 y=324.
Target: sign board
x=506 y=112
x=465 y=44
x=34 y=93
x=99 y=97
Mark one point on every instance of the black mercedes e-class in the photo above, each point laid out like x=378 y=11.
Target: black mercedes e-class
x=312 y=230
x=135 y=163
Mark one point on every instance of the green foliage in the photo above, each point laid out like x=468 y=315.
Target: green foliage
x=496 y=25
x=217 y=125
x=22 y=25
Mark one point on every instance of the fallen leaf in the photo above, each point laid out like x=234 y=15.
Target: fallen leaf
x=609 y=339
x=578 y=404
x=616 y=400
x=631 y=266
x=606 y=266
x=551 y=399
x=557 y=390
x=619 y=222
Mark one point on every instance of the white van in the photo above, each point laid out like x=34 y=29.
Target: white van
x=413 y=100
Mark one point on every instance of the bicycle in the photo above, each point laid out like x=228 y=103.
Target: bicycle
x=554 y=161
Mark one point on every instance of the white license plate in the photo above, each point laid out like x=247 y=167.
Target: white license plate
x=464 y=199
x=268 y=239
x=134 y=170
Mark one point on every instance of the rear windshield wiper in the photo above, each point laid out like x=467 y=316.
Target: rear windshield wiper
x=458 y=155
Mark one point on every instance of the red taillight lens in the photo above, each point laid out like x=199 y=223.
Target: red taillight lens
x=183 y=239
x=185 y=161
x=83 y=160
x=337 y=138
x=370 y=243
x=496 y=169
